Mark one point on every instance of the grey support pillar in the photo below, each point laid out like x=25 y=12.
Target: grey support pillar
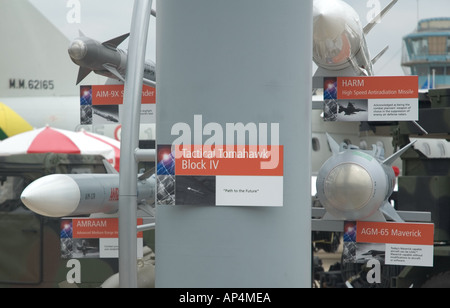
x=129 y=143
x=248 y=62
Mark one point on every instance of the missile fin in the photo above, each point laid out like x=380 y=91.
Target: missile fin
x=146 y=175
x=378 y=216
x=378 y=18
x=333 y=145
x=114 y=71
x=146 y=208
x=82 y=73
x=360 y=70
x=378 y=56
x=109 y=168
x=390 y=212
x=116 y=41
x=389 y=161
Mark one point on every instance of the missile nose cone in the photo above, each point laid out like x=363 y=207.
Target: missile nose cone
x=77 y=50
x=349 y=187
x=54 y=195
x=327 y=23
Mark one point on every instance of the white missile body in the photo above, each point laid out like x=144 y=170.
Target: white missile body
x=355 y=184
x=60 y=195
x=339 y=39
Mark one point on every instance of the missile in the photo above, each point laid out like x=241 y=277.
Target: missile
x=105 y=59
x=339 y=39
x=106 y=116
x=354 y=184
x=60 y=195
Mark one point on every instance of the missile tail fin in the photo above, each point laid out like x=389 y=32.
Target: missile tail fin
x=82 y=73
x=333 y=145
x=378 y=18
x=109 y=168
x=114 y=71
x=390 y=212
x=146 y=175
x=378 y=56
x=116 y=41
x=389 y=161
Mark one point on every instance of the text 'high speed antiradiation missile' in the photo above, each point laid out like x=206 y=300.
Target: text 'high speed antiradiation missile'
x=60 y=195
x=354 y=184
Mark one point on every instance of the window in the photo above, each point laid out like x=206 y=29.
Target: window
x=448 y=45
x=437 y=45
x=10 y=190
x=438 y=70
x=441 y=147
x=422 y=71
x=316 y=144
x=419 y=46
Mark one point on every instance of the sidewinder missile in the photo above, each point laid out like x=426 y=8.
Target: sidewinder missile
x=355 y=184
x=60 y=195
x=105 y=59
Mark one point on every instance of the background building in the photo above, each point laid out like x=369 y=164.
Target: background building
x=426 y=53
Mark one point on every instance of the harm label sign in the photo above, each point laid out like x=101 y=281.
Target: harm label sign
x=386 y=98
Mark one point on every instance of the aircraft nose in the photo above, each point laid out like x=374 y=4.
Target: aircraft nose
x=77 y=50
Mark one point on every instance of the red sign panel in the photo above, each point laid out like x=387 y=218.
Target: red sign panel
x=113 y=95
x=389 y=87
x=395 y=233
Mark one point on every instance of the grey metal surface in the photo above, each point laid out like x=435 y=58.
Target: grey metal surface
x=130 y=142
x=237 y=62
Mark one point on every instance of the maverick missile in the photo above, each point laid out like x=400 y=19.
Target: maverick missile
x=355 y=185
x=339 y=44
x=60 y=195
x=105 y=59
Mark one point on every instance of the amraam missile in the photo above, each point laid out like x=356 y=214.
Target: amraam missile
x=60 y=195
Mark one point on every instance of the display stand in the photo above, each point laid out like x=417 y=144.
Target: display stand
x=130 y=144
